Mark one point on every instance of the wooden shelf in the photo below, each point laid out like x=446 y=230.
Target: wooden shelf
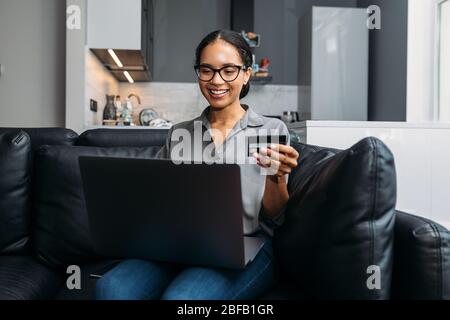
x=261 y=80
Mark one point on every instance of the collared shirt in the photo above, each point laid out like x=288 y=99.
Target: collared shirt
x=191 y=141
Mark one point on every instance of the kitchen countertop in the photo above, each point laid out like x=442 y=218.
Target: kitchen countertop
x=369 y=124
x=123 y=127
x=324 y=124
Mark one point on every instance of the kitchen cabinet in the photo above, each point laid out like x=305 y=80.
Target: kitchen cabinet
x=154 y=39
x=126 y=27
x=179 y=26
x=114 y=24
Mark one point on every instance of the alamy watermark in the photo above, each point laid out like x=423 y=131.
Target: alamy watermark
x=374 y=280
x=73 y=281
x=374 y=19
x=73 y=21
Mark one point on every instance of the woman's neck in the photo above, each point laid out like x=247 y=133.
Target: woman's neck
x=227 y=116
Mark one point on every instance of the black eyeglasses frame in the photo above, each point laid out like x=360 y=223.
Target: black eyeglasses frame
x=197 y=68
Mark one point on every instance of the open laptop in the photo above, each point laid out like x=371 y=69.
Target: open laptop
x=156 y=210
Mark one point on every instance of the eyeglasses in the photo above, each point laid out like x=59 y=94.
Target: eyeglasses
x=228 y=73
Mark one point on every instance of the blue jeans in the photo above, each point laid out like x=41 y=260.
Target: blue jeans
x=143 y=280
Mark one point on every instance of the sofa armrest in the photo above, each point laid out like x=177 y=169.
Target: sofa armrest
x=421 y=259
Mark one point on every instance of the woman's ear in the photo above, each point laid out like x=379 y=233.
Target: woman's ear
x=247 y=74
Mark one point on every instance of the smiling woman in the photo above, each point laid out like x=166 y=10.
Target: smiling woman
x=223 y=66
x=219 y=60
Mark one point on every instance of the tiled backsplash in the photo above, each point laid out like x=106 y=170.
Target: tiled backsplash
x=179 y=102
x=175 y=102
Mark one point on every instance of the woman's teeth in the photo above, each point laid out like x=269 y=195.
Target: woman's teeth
x=218 y=92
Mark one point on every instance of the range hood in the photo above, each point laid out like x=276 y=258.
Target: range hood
x=124 y=64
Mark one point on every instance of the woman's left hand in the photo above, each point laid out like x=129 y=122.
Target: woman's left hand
x=278 y=158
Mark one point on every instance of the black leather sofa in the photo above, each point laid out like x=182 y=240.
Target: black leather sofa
x=342 y=238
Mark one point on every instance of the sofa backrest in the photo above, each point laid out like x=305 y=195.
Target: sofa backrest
x=61 y=226
x=108 y=138
x=47 y=136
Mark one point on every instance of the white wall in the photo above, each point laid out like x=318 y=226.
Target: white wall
x=32 y=51
x=75 y=72
x=422 y=158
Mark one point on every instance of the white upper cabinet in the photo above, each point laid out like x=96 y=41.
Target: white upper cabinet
x=114 y=24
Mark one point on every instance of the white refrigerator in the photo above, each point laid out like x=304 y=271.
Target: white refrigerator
x=333 y=64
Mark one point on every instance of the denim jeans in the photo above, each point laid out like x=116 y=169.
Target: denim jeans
x=143 y=280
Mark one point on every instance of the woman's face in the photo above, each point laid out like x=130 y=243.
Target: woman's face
x=217 y=91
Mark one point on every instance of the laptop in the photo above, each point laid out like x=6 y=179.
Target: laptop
x=153 y=209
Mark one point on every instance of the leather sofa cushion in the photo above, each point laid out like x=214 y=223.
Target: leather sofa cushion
x=16 y=172
x=339 y=221
x=15 y=191
x=23 y=278
x=61 y=228
x=421 y=259
x=47 y=136
x=124 y=138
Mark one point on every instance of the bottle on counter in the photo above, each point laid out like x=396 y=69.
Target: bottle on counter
x=128 y=110
x=119 y=108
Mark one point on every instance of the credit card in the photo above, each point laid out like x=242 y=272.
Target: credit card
x=255 y=143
